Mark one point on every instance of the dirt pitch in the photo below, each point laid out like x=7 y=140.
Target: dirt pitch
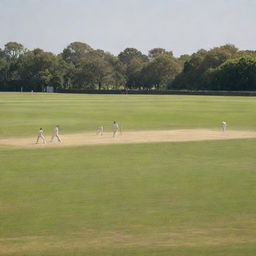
x=80 y=139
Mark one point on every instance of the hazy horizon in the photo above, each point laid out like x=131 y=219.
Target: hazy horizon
x=182 y=26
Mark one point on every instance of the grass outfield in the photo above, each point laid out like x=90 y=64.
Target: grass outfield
x=182 y=199
x=23 y=114
x=146 y=199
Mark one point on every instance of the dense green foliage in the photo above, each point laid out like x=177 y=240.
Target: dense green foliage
x=80 y=66
x=235 y=74
x=222 y=68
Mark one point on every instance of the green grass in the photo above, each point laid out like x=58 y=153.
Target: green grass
x=181 y=199
x=144 y=199
x=23 y=114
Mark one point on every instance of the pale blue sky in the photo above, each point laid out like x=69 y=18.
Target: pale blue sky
x=183 y=26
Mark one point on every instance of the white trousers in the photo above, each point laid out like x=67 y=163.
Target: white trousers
x=40 y=137
x=114 y=132
x=99 y=131
x=57 y=136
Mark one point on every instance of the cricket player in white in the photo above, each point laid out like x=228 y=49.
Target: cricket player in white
x=99 y=130
x=115 y=128
x=224 y=126
x=40 y=136
x=56 y=134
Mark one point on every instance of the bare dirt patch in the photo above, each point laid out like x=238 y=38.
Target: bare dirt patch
x=80 y=139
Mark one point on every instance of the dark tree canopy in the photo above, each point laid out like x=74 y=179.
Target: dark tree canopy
x=128 y=54
x=195 y=71
x=75 y=52
x=156 y=52
x=79 y=66
x=13 y=50
x=160 y=72
x=235 y=74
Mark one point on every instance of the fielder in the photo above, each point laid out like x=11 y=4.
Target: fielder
x=99 y=130
x=56 y=134
x=224 y=126
x=40 y=136
x=115 y=128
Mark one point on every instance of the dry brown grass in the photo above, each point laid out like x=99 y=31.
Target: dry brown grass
x=116 y=239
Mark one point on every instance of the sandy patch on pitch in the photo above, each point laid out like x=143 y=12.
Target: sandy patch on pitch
x=79 y=139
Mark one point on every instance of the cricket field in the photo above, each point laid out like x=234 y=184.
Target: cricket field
x=180 y=198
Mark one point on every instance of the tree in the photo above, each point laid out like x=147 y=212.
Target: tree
x=3 y=70
x=160 y=72
x=2 y=55
x=235 y=74
x=156 y=52
x=184 y=58
x=13 y=50
x=132 y=61
x=75 y=52
x=190 y=77
x=217 y=56
x=128 y=54
x=246 y=53
x=196 y=69
x=36 y=69
x=118 y=71
x=63 y=74
x=94 y=72
x=134 y=73
x=80 y=66
x=9 y=69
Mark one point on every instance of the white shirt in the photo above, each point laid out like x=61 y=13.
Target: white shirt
x=115 y=126
x=56 y=131
x=40 y=133
x=224 y=124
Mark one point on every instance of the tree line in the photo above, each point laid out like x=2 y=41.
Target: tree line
x=79 y=66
